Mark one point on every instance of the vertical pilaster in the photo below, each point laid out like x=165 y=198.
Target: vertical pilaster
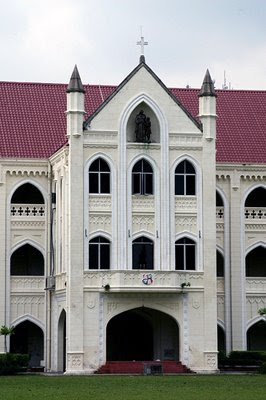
x=237 y=273
x=75 y=111
x=2 y=263
x=207 y=114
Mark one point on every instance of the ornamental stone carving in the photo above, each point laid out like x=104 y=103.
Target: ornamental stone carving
x=74 y=361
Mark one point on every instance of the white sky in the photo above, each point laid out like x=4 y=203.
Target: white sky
x=41 y=40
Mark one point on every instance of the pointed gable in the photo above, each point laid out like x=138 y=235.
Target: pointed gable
x=141 y=68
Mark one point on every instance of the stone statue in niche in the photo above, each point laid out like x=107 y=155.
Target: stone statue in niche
x=142 y=128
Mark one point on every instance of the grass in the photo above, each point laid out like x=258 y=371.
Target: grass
x=217 y=387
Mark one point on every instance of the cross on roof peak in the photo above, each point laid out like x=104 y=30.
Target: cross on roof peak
x=142 y=43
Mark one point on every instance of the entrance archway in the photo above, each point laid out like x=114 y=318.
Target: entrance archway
x=256 y=336
x=62 y=342
x=28 y=339
x=142 y=334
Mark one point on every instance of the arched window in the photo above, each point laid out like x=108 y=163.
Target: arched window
x=185 y=179
x=256 y=262
x=185 y=254
x=142 y=253
x=27 y=260
x=142 y=178
x=219 y=264
x=99 y=177
x=99 y=253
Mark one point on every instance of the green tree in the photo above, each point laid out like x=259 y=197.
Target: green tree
x=6 y=331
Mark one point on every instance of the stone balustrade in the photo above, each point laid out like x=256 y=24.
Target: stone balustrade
x=31 y=284
x=36 y=211
x=168 y=281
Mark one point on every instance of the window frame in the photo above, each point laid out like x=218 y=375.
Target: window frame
x=142 y=180
x=181 y=243
x=100 y=243
x=185 y=176
x=99 y=176
x=142 y=241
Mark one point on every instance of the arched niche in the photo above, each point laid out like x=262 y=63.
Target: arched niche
x=27 y=260
x=61 y=367
x=255 y=262
x=155 y=127
x=221 y=338
x=256 y=336
x=256 y=198
x=27 y=194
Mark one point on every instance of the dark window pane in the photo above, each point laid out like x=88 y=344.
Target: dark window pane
x=105 y=182
x=93 y=183
x=136 y=184
x=190 y=257
x=179 y=185
x=95 y=166
x=179 y=257
x=146 y=167
x=180 y=169
x=105 y=256
x=137 y=167
x=93 y=256
x=190 y=189
x=104 y=166
x=189 y=169
x=148 y=184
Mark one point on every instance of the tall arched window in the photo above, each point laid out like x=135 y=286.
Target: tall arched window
x=185 y=254
x=142 y=253
x=99 y=253
x=99 y=177
x=142 y=178
x=185 y=179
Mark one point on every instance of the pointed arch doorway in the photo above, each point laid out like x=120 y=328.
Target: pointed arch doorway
x=61 y=367
x=142 y=334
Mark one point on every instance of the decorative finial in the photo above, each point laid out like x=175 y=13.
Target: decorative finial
x=75 y=84
x=142 y=43
x=207 y=88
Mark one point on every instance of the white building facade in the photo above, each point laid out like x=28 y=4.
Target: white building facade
x=131 y=242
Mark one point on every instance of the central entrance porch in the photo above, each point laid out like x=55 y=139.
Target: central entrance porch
x=142 y=334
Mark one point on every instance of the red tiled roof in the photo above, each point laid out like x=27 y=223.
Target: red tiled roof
x=33 y=121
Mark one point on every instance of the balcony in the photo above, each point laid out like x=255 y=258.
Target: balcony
x=143 y=281
x=255 y=218
x=27 y=284
x=256 y=285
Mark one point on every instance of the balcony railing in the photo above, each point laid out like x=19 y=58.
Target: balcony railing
x=255 y=213
x=29 y=284
x=165 y=281
x=27 y=210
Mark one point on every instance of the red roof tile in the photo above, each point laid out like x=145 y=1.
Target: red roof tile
x=33 y=121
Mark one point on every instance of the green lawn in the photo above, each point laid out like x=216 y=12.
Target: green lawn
x=218 y=387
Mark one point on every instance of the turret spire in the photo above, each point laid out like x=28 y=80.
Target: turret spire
x=75 y=84
x=207 y=88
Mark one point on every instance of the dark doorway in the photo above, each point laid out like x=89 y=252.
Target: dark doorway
x=142 y=334
x=221 y=339
x=28 y=339
x=62 y=342
x=256 y=336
